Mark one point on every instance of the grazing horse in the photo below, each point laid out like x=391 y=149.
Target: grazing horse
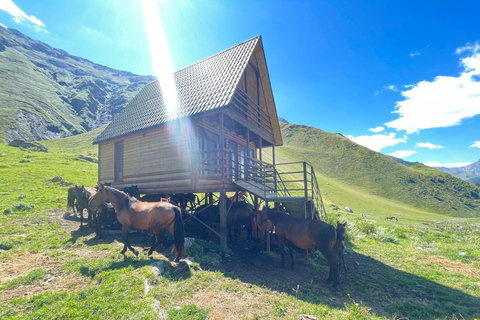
x=153 y=216
x=392 y=218
x=82 y=195
x=71 y=199
x=304 y=234
x=339 y=246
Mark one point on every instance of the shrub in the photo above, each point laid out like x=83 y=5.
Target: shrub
x=6 y=245
x=188 y=312
x=366 y=227
x=22 y=206
x=385 y=235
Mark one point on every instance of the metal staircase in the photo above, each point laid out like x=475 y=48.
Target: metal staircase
x=293 y=185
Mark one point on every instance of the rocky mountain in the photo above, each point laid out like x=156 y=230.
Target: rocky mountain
x=470 y=173
x=46 y=93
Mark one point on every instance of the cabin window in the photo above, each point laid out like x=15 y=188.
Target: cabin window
x=209 y=151
x=118 y=161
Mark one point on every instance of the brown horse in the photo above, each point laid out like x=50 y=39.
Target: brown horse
x=259 y=229
x=339 y=246
x=71 y=199
x=238 y=216
x=153 y=216
x=82 y=195
x=304 y=234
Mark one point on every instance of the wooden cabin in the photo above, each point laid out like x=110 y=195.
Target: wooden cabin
x=223 y=115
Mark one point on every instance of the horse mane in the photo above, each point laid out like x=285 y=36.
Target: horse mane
x=129 y=201
x=275 y=215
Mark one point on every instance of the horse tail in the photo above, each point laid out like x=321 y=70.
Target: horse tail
x=178 y=232
x=71 y=200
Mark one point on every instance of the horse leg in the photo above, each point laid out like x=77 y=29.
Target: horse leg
x=158 y=233
x=98 y=223
x=81 y=218
x=281 y=246
x=343 y=262
x=332 y=259
x=290 y=248
x=125 y=232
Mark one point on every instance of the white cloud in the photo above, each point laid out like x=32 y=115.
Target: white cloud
x=390 y=87
x=377 y=129
x=2 y=25
x=443 y=102
x=402 y=153
x=378 y=141
x=19 y=16
x=413 y=54
x=447 y=165
x=476 y=144
x=429 y=145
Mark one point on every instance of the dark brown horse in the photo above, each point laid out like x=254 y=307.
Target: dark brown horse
x=72 y=199
x=153 y=216
x=304 y=234
x=339 y=246
x=238 y=216
x=259 y=229
x=82 y=195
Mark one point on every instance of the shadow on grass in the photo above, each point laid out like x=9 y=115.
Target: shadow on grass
x=385 y=290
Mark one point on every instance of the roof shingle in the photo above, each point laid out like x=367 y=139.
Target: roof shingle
x=203 y=86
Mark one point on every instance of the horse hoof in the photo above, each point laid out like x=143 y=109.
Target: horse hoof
x=135 y=253
x=177 y=259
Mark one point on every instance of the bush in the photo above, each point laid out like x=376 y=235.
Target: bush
x=385 y=235
x=22 y=206
x=366 y=227
x=6 y=245
x=188 y=312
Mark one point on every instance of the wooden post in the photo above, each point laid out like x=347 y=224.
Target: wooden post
x=267 y=232
x=223 y=193
x=247 y=156
x=223 y=219
x=260 y=149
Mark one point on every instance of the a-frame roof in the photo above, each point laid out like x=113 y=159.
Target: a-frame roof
x=203 y=86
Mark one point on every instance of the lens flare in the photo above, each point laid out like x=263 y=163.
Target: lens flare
x=160 y=55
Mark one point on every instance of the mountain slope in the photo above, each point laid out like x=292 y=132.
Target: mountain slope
x=333 y=155
x=470 y=173
x=45 y=93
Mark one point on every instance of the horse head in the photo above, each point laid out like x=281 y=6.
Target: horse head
x=341 y=231
x=98 y=198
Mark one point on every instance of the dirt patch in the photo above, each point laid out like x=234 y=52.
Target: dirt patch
x=227 y=305
x=454 y=267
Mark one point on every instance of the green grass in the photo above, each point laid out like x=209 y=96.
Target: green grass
x=422 y=267
x=342 y=161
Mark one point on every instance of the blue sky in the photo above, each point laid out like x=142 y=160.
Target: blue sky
x=401 y=78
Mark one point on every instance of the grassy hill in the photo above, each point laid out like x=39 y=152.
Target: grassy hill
x=45 y=93
x=422 y=267
x=335 y=157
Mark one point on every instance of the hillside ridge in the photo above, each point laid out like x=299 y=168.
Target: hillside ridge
x=46 y=93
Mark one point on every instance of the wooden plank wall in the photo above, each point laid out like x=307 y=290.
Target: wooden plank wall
x=157 y=160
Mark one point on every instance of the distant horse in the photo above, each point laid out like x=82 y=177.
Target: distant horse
x=154 y=217
x=339 y=246
x=392 y=218
x=82 y=195
x=304 y=234
x=72 y=199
